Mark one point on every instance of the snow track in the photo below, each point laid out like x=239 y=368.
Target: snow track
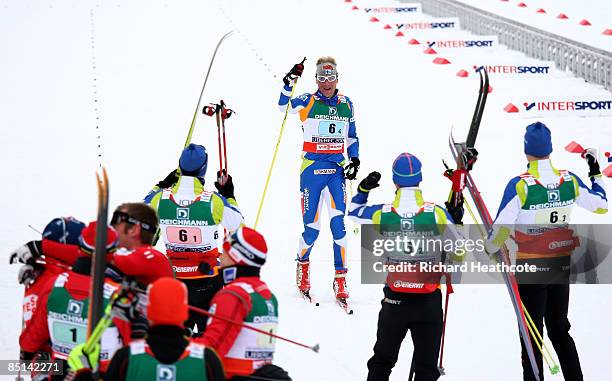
x=151 y=58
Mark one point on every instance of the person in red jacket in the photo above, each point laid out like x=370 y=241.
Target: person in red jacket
x=60 y=319
x=245 y=298
x=166 y=353
x=136 y=225
x=43 y=260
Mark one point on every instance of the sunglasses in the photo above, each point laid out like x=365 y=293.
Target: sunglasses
x=329 y=78
x=119 y=217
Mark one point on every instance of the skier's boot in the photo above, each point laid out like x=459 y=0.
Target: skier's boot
x=302 y=276
x=340 y=288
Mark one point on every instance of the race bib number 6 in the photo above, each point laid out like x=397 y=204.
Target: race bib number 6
x=331 y=128
x=183 y=234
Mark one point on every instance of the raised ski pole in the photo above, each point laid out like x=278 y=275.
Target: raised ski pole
x=198 y=105
x=278 y=140
x=221 y=114
x=315 y=348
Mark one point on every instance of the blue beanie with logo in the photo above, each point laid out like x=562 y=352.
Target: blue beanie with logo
x=194 y=161
x=538 y=142
x=407 y=170
x=66 y=230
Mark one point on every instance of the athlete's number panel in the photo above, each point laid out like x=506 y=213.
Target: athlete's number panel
x=69 y=334
x=331 y=128
x=553 y=216
x=183 y=234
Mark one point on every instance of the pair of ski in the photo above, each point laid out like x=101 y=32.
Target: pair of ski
x=341 y=302
x=459 y=151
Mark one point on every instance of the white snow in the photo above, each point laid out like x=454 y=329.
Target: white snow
x=150 y=61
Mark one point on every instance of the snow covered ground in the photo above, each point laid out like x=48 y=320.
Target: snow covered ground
x=597 y=12
x=138 y=83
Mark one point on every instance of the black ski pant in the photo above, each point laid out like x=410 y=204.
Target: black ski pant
x=400 y=312
x=200 y=292
x=549 y=304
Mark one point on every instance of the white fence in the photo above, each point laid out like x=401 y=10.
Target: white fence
x=592 y=64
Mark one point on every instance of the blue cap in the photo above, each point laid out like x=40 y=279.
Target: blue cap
x=64 y=230
x=537 y=140
x=407 y=170
x=193 y=161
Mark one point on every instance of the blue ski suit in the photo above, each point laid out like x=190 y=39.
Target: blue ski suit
x=329 y=129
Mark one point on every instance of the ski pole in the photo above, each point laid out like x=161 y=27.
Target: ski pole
x=449 y=290
x=314 y=348
x=537 y=336
x=195 y=114
x=355 y=227
x=221 y=114
x=278 y=140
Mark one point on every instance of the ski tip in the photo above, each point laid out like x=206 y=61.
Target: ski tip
x=315 y=348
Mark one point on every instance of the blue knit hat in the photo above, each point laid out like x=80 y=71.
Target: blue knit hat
x=537 y=140
x=194 y=161
x=64 y=230
x=407 y=170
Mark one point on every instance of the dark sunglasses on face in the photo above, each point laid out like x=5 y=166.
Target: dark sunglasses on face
x=119 y=217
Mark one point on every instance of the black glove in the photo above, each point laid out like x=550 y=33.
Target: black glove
x=591 y=157
x=170 y=180
x=27 y=253
x=28 y=273
x=469 y=157
x=139 y=327
x=456 y=211
x=204 y=268
x=226 y=189
x=296 y=71
x=369 y=182
x=126 y=308
x=350 y=171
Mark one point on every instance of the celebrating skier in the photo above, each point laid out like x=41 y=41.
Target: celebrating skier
x=43 y=260
x=166 y=353
x=189 y=220
x=537 y=205
x=136 y=226
x=329 y=129
x=61 y=315
x=245 y=298
x=411 y=301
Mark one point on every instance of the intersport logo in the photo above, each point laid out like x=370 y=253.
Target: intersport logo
x=392 y=10
x=426 y=25
x=484 y=43
x=514 y=69
x=567 y=105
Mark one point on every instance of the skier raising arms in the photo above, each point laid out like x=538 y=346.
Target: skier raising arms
x=537 y=205
x=189 y=220
x=411 y=301
x=329 y=129
x=247 y=355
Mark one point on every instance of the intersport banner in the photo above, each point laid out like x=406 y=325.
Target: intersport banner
x=474 y=42
x=561 y=106
x=399 y=9
x=438 y=24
